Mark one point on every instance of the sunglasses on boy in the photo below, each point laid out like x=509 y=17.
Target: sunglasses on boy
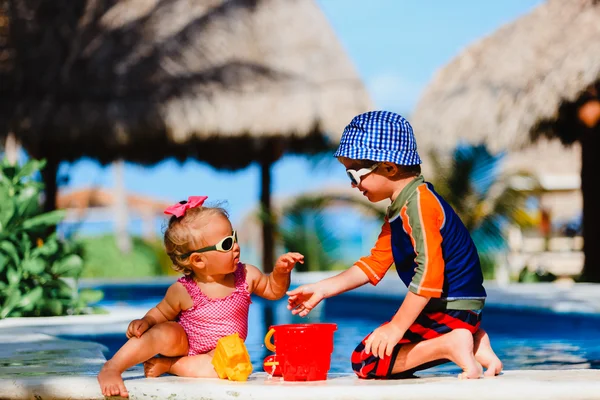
x=225 y=245
x=357 y=175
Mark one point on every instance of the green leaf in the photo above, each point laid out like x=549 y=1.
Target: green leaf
x=28 y=201
x=28 y=301
x=68 y=266
x=32 y=166
x=13 y=276
x=52 y=307
x=49 y=248
x=8 y=248
x=9 y=171
x=64 y=290
x=45 y=220
x=34 y=266
x=3 y=262
x=7 y=211
x=90 y=296
x=11 y=302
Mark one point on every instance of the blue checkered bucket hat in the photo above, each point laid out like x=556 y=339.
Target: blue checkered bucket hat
x=379 y=136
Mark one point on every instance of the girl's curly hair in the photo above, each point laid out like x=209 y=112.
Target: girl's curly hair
x=184 y=234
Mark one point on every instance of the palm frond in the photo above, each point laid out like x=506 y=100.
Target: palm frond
x=485 y=199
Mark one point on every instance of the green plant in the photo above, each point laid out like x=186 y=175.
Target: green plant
x=103 y=259
x=33 y=261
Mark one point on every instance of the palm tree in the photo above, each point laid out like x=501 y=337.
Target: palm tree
x=579 y=121
x=304 y=227
x=486 y=200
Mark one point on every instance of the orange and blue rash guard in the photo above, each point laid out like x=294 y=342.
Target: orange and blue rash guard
x=431 y=248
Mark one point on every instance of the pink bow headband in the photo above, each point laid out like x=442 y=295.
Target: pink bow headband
x=180 y=208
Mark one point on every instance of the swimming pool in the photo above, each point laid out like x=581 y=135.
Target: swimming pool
x=522 y=338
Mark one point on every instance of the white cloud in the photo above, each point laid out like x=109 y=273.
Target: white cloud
x=393 y=92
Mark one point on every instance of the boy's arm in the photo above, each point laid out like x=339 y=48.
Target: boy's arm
x=423 y=218
x=376 y=264
x=306 y=297
x=274 y=285
x=383 y=339
x=347 y=280
x=367 y=269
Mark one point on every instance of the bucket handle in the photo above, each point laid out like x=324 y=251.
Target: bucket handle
x=268 y=342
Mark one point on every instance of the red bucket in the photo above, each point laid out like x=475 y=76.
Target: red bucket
x=303 y=351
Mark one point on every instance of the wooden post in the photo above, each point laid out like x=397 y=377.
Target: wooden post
x=590 y=163
x=50 y=186
x=12 y=148
x=265 y=204
x=120 y=205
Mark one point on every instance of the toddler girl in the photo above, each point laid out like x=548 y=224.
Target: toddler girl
x=210 y=301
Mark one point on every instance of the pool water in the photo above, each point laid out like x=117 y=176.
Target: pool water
x=523 y=339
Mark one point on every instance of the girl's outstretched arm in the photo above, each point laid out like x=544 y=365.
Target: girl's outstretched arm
x=274 y=285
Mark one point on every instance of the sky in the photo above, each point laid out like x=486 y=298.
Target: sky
x=396 y=46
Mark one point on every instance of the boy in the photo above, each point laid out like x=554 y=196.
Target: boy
x=434 y=256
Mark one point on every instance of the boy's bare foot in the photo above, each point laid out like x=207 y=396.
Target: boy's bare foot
x=485 y=355
x=157 y=366
x=460 y=350
x=111 y=382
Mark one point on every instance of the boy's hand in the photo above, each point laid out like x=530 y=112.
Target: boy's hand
x=137 y=327
x=383 y=340
x=286 y=262
x=304 y=298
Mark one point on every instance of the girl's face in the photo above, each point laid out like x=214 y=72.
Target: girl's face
x=217 y=262
x=374 y=185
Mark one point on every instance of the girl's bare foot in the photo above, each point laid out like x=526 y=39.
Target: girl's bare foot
x=485 y=355
x=460 y=350
x=111 y=382
x=157 y=366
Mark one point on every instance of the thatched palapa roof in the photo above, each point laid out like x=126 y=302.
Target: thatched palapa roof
x=509 y=85
x=148 y=79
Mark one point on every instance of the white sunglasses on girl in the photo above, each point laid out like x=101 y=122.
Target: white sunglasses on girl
x=225 y=245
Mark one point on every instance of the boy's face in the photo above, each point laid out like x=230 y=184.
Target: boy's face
x=374 y=185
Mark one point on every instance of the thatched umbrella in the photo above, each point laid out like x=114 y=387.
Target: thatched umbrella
x=539 y=75
x=224 y=82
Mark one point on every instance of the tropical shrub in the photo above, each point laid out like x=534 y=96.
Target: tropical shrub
x=38 y=271
x=103 y=259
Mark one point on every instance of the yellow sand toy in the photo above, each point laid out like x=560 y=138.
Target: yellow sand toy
x=231 y=359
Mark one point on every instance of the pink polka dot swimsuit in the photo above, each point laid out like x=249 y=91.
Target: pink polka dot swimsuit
x=208 y=319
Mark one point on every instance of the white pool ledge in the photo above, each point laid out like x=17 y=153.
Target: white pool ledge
x=34 y=364
x=530 y=385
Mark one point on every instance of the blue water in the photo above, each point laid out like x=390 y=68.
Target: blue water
x=522 y=338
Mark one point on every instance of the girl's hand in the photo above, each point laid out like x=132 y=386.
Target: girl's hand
x=286 y=262
x=383 y=340
x=137 y=327
x=304 y=298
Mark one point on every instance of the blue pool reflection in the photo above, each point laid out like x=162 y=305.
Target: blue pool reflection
x=522 y=338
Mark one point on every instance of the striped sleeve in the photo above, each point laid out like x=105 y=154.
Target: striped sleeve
x=422 y=218
x=381 y=258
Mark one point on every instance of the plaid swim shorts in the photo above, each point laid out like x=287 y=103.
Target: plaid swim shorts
x=428 y=325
